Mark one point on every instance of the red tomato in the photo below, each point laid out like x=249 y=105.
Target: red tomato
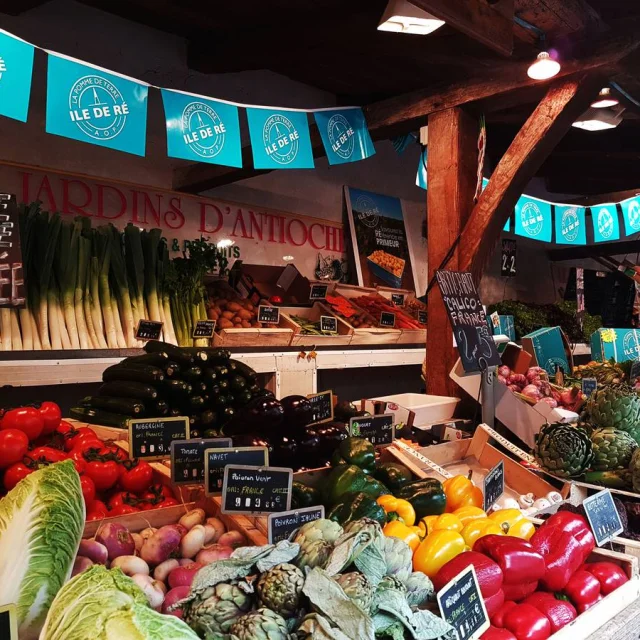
x=103 y=474
x=97 y=510
x=13 y=446
x=88 y=489
x=123 y=509
x=120 y=498
x=119 y=453
x=80 y=465
x=85 y=447
x=137 y=476
x=47 y=455
x=14 y=474
x=168 y=502
x=147 y=506
x=157 y=491
x=72 y=438
x=27 y=419
x=51 y=413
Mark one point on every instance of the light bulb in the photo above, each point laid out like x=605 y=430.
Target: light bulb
x=544 y=67
x=605 y=99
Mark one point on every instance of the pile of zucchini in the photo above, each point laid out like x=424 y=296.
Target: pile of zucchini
x=204 y=384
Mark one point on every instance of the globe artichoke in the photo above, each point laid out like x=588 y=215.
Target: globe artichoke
x=398 y=556
x=364 y=524
x=563 y=450
x=391 y=582
x=280 y=589
x=617 y=407
x=419 y=589
x=634 y=467
x=612 y=449
x=316 y=540
x=313 y=554
x=215 y=609
x=262 y=624
x=358 y=588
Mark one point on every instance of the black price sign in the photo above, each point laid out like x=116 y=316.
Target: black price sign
x=318 y=291
x=468 y=320
x=256 y=490
x=603 y=516
x=493 y=485
x=589 y=385
x=462 y=605
x=148 y=330
x=204 y=329
x=635 y=371
x=8 y=622
x=422 y=317
x=508 y=264
x=388 y=319
x=151 y=438
x=328 y=324
x=12 y=286
x=281 y=525
x=376 y=429
x=268 y=315
x=397 y=299
x=187 y=459
x=322 y=404
x=215 y=460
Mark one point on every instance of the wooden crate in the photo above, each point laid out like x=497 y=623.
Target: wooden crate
x=408 y=336
x=256 y=337
x=342 y=338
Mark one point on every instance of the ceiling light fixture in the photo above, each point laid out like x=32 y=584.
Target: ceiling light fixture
x=599 y=119
x=401 y=16
x=605 y=99
x=544 y=67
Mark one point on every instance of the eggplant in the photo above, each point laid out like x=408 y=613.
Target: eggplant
x=242 y=398
x=285 y=451
x=344 y=411
x=244 y=370
x=179 y=355
x=308 y=447
x=298 y=411
x=331 y=434
x=264 y=414
x=253 y=440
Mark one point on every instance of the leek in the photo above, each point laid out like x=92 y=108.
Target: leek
x=104 y=261
x=16 y=339
x=25 y=325
x=150 y=241
x=121 y=286
x=134 y=261
x=5 y=319
x=66 y=268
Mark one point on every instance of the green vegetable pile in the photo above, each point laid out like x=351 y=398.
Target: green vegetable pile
x=309 y=327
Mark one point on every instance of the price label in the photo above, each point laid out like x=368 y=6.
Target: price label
x=8 y=622
x=148 y=330
x=462 y=605
x=215 y=460
x=268 y=315
x=322 y=404
x=318 y=291
x=187 y=459
x=328 y=324
x=377 y=430
x=281 y=525
x=493 y=485
x=589 y=385
x=430 y=464
x=508 y=261
x=204 y=329
x=603 y=516
x=422 y=317
x=388 y=319
x=151 y=438
x=256 y=490
x=397 y=299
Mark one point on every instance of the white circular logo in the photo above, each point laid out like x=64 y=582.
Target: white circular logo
x=633 y=215
x=202 y=129
x=281 y=139
x=605 y=223
x=367 y=211
x=553 y=363
x=630 y=346
x=531 y=218
x=3 y=67
x=97 y=107
x=341 y=136
x=570 y=224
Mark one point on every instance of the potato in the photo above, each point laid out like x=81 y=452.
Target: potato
x=228 y=315
x=256 y=325
x=237 y=320
x=233 y=306
x=246 y=324
x=248 y=306
x=225 y=323
x=244 y=314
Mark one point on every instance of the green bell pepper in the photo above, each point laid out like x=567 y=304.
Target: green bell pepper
x=356 y=451
x=426 y=496
x=348 y=478
x=354 y=506
x=304 y=496
x=393 y=475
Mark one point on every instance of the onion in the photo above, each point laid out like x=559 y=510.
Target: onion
x=213 y=553
x=80 y=564
x=535 y=372
x=117 y=539
x=183 y=576
x=233 y=539
x=131 y=565
x=517 y=378
x=175 y=595
x=504 y=371
x=531 y=391
x=95 y=551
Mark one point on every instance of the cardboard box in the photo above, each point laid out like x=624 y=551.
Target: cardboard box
x=619 y=344
x=550 y=349
x=257 y=282
x=516 y=358
x=505 y=326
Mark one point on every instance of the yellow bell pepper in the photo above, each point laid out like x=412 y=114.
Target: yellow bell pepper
x=469 y=513
x=514 y=523
x=476 y=529
x=444 y=522
x=402 y=508
x=436 y=550
x=461 y=492
x=397 y=529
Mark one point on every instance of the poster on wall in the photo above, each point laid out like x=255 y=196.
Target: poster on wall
x=381 y=250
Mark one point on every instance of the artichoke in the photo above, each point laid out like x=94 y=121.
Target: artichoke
x=398 y=556
x=612 y=449
x=358 y=588
x=316 y=540
x=419 y=589
x=364 y=524
x=280 y=589
x=262 y=624
x=617 y=407
x=634 y=468
x=314 y=554
x=563 y=450
x=216 y=609
x=391 y=582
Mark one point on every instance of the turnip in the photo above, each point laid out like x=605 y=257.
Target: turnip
x=151 y=588
x=233 y=539
x=95 y=551
x=192 y=542
x=117 y=539
x=148 y=532
x=175 y=595
x=191 y=519
x=213 y=553
x=131 y=565
x=138 y=540
x=183 y=576
x=163 y=570
x=80 y=564
x=161 y=545
x=219 y=527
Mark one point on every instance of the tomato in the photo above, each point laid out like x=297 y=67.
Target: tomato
x=168 y=502
x=104 y=474
x=72 y=438
x=13 y=446
x=47 y=455
x=120 y=454
x=157 y=491
x=97 y=510
x=137 y=476
x=88 y=489
x=120 y=498
x=51 y=413
x=84 y=448
x=123 y=509
x=147 y=506
x=27 y=419
x=80 y=465
x=15 y=473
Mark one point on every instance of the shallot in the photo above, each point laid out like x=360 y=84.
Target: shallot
x=117 y=539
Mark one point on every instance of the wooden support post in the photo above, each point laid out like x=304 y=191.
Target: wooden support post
x=452 y=168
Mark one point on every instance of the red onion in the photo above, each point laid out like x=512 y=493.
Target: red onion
x=550 y=401
x=517 y=378
x=535 y=372
x=502 y=379
x=514 y=387
x=117 y=539
x=504 y=371
x=531 y=391
x=183 y=576
x=173 y=596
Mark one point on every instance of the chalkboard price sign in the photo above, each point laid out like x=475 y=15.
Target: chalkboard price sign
x=468 y=320
x=397 y=299
x=187 y=459
x=328 y=324
x=493 y=485
x=508 y=262
x=148 y=330
x=256 y=490
x=12 y=285
x=589 y=385
x=377 y=430
x=151 y=438
x=422 y=317
x=388 y=319
x=8 y=622
x=215 y=460
x=281 y=525
x=603 y=516
x=635 y=371
x=322 y=407
x=318 y=291
x=462 y=606
x=204 y=329
x=268 y=315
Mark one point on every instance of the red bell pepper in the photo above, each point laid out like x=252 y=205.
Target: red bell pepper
x=559 y=612
x=493 y=603
x=518 y=560
x=583 y=590
x=518 y=592
x=493 y=633
x=488 y=572
x=527 y=623
x=497 y=619
x=609 y=575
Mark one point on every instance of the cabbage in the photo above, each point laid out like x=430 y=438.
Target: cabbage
x=41 y=524
x=102 y=604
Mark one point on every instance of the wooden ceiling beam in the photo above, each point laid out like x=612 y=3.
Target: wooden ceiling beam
x=16 y=7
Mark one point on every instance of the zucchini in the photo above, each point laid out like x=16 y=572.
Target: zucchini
x=160 y=408
x=130 y=389
x=223 y=385
x=237 y=383
x=242 y=398
x=97 y=416
x=196 y=402
x=175 y=413
x=209 y=376
x=226 y=414
x=244 y=370
x=199 y=388
x=217 y=356
x=215 y=390
x=125 y=406
x=199 y=354
x=172 y=369
x=181 y=356
x=134 y=372
x=222 y=371
x=221 y=401
x=158 y=359
x=192 y=374
x=177 y=388
x=205 y=420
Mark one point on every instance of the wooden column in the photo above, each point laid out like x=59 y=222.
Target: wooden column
x=452 y=167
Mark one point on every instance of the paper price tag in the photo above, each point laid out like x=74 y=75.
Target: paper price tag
x=423 y=459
